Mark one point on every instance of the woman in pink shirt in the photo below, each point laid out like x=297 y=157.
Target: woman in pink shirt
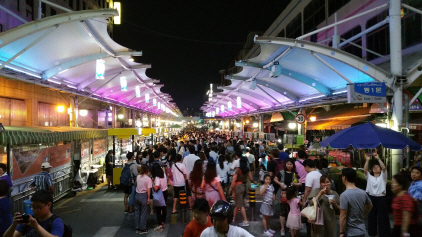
x=143 y=191
x=300 y=168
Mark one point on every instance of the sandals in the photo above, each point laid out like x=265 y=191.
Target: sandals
x=175 y=212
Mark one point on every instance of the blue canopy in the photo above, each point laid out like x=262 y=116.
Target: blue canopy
x=367 y=136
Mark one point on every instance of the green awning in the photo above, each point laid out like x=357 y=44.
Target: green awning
x=288 y=115
x=35 y=135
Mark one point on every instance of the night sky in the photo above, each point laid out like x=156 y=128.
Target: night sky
x=185 y=66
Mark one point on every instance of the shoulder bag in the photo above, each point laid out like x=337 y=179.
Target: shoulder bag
x=158 y=198
x=310 y=211
x=319 y=214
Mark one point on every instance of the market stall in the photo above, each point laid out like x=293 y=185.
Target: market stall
x=124 y=137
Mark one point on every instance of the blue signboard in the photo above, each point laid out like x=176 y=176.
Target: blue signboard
x=369 y=92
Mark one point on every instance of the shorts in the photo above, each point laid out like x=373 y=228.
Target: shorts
x=251 y=167
x=240 y=191
x=284 y=209
x=176 y=191
x=127 y=189
x=188 y=191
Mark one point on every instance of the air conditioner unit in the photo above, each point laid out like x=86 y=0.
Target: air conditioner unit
x=275 y=70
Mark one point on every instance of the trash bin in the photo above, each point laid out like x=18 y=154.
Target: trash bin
x=27 y=204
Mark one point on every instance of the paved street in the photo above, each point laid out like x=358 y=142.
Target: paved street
x=100 y=213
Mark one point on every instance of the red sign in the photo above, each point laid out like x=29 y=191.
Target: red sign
x=99 y=147
x=27 y=163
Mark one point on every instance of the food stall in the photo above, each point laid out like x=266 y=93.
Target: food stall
x=125 y=139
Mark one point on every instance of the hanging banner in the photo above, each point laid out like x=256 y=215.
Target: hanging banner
x=85 y=150
x=370 y=92
x=99 y=147
x=100 y=69
x=28 y=162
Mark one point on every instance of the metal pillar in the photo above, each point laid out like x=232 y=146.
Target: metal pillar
x=336 y=37
x=396 y=70
x=406 y=130
x=261 y=123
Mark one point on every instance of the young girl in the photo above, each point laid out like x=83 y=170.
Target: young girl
x=262 y=173
x=293 y=222
x=267 y=190
x=211 y=184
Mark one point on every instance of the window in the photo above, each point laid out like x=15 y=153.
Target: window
x=281 y=34
x=294 y=28
x=43 y=9
x=86 y=121
x=411 y=29
x=351 y=48
x=49 y=116
x=12 y=112
x=30 y=9
x=313 y=14
x=335 y=5
x=379 y=39
x=52 y=12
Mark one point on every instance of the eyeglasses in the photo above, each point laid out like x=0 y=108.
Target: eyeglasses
x=37 y=208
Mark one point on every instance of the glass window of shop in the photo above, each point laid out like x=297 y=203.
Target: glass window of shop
x=335 y=5
x=349 y=47
x=294 y=28
x=49 y=116
x=313 y=15
x=12 y=112
x=379 y=40
x=3 y=154
x=102 y=119
x=86 y=121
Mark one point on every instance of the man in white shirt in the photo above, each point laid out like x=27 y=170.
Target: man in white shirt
x=214 y=154
x=189 y=161
x=179 y=179
x=222 y=216
x=181 y=148
x=251 y=160
x=311 y=183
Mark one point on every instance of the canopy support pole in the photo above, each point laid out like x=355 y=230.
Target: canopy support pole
x=396 y=70
x=56 y=6
x=27 y=47
x=100 y=87
x=416 y=96
x=332 y=68
x=271 y=96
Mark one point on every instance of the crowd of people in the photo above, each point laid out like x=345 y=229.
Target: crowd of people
x=212 y=168
x=214 y=173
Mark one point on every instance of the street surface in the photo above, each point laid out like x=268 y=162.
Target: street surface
x=100 y=213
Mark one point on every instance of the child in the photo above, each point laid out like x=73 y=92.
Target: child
x=267 y=190
x=293 y=220
x=262 y=173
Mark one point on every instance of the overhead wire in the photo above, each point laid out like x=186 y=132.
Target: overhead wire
x=146 y=30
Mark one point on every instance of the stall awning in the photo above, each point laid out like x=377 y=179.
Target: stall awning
x=335 y=124
x=125 y=133
x=35 y=135
x=276 y=117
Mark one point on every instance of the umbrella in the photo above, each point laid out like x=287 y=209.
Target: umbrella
x=367 y=136
x=175 y=126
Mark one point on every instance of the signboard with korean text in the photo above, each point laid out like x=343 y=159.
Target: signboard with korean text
x=369 y=92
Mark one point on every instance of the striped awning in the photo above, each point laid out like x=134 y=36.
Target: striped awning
x=35 y=135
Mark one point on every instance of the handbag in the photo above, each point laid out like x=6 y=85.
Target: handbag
x=319 y=215
x=310 y=211
x=158 y=198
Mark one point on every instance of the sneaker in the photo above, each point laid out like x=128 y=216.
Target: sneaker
x=271 y=231
x=143 y=232
x=158 y=229
x=245 y=223
x=282 y=233
x=131 y=213
x=268 y=234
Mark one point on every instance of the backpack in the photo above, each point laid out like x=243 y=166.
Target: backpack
x=279 y=166
x=67 y=231
x=126 y=176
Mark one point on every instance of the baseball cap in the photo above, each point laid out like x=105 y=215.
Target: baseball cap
x=46 y=165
